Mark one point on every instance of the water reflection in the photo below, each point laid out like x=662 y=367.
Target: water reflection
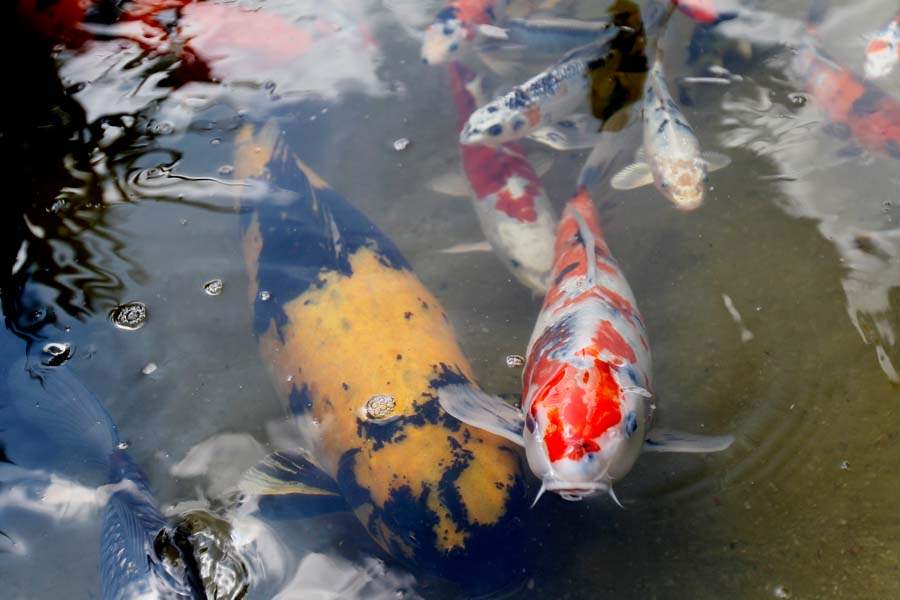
x=818 y=161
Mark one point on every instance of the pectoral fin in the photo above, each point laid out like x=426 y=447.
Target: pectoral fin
x=633 y=176
x=292 y=485
x=716 y=161
x=466 y=248
x=484 y=411
x=668 y=440
x=575 y=132
x=450 y=184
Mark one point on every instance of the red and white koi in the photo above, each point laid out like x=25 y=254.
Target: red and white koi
x=883 y=50
x=509 y=199
x=670 y=156
x=587 y=392
x=455 y=27
x=857 y=107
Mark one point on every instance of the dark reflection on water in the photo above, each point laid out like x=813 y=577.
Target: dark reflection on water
x=119 y=156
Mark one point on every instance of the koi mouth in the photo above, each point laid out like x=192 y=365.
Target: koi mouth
x=575 y=491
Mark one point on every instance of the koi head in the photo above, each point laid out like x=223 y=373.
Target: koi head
x=682 y=181
x=494 y=124
x=584 y=431
x=445 y=37
x=882 y=55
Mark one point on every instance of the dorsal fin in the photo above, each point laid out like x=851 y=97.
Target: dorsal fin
x=590 y=247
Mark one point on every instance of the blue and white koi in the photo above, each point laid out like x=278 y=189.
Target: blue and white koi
x=671 y=156
x=586 y=397
x=539 y=103
x=883 y=50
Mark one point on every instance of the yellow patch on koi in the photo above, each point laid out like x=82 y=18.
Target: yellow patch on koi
x=337 y=333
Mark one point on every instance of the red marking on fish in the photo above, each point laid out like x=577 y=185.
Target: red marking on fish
x=533 y=115
x=475 y=12
x=609 y=339
x=702 y=11
x=579 y=406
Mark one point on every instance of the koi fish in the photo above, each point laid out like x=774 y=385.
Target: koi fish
x=454 y=28
x=670 y=156
x=586 y=397
x=883 y=50
x=509 y=199
x=62 y=430
x=603 y=76
x=360 y=350
x=537 y=104
x=855 y=107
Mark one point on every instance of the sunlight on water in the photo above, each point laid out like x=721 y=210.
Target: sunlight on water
x=219 y=378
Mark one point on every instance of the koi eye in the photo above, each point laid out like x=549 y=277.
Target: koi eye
x=454 y=47
x=495 y=130
x=630 y=424
x=492 y=109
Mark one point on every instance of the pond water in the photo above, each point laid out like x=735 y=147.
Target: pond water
x=772 y=310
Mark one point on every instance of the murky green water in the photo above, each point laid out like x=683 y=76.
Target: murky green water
x=800 y=234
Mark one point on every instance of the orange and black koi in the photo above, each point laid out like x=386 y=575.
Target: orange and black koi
x=360 y=349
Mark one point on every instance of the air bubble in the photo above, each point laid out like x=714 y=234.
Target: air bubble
x=226 y=170
x=123 y=445
x=129 y=316
x=149 y=368
x=265 y=296
x=401 y=144
x=380 y=406
x=515 y=361
x=214 y=287
x=59 y=353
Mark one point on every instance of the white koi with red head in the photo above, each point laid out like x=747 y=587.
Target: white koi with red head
x=670 y=156
x=883 y=50
x=586 y=401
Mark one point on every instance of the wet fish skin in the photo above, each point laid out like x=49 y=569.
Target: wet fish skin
x=509 y=198
x=345 y=320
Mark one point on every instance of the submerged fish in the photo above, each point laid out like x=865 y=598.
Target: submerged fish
x=539 y=36
x=586 y=397
x=853 y=106
x=455 y=26
x=509 y=199
x=68 y=432
x=670 y=156
x=561 y=105
x=360 y=350
x=883 y=50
